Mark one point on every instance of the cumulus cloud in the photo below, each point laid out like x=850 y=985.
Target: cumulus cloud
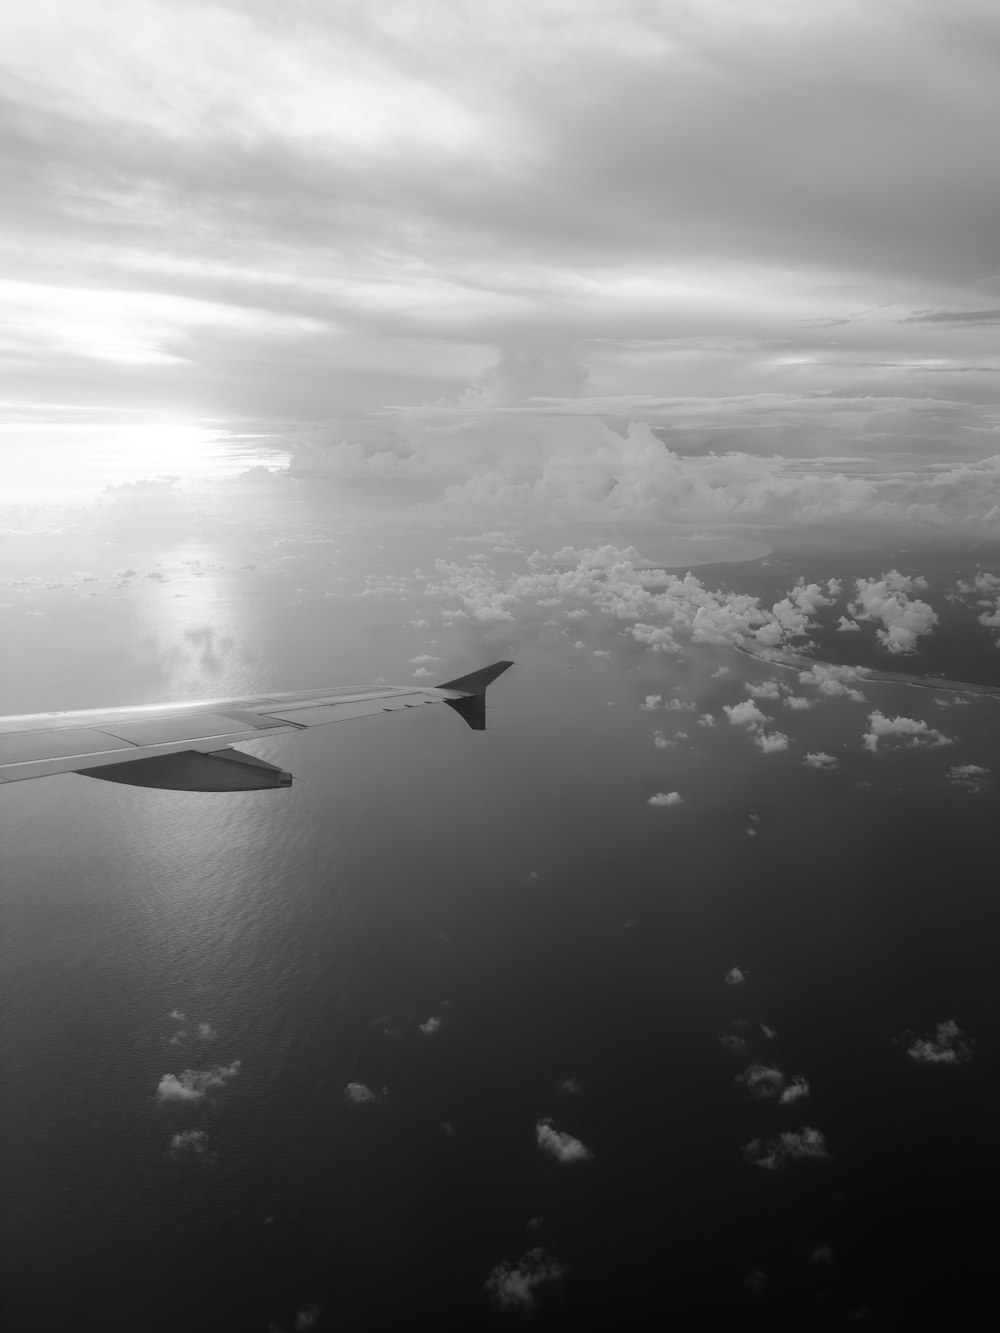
x=308 y=1317
x=360 y=1094
x=563 y=1147
x=831 y=679
x=887 y=599
x=970 y=777
x=819 y=759
x=762 y=1081
x=796 y=1145
x=735 y=976
x=985 y=588
x=651 y=701
x=845 y=626
x=512 y=1286
x=732 y=1041
x=570 y=1085
x=192 y=1085
x=661 y=742
x=430 y=1027
x=190 y=1140
x=797 y=701
x=906 y=730
x=947 y=1044
x=666 y=798
x=206 y=1032
x=797 y=1089
x=177 y=1016
x=745 y=714
x=771 y=741
x=423 y=658
x=704 y=720
x=768 y=689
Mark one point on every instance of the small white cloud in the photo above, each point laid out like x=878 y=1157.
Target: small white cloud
x=676 y=706
x=191 y=1140
x=422 y=671
x=179 y=1036
x=651 y=702
x=732 y=1042
x=946 y=1045
x=735 y=976
x=661 y=742
x=307 y=1318
x=192 y=1084
x=846 y=626
x=704 y=720
x=570 y=1085
x=601 y=652
x=359 y=1093
x=666 y=798
x=422 y=659
x=206 y=1032
x=798 y=701
x=177 y=1016
x=430 y=1027
x=822 y=1254
x=796 y=1145
x=768 y=689
x=720 y=671
x=797 y=1089
x=971 y=777
x=830 y=679
x=769 y=1033
x=563 y=1147
x=512 y=1286
x=818 y=759
x=745 y=714
x=908 y=730
x=762 y=1081
x=771 y=741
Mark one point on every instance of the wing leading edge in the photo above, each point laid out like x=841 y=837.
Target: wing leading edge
x=187 y=746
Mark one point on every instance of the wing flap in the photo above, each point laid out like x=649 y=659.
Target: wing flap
x=25 y=746
x=317 y=715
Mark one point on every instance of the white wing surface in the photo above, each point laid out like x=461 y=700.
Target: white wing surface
x=187 y=746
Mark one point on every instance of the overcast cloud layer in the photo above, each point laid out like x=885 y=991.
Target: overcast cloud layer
x=432 y=241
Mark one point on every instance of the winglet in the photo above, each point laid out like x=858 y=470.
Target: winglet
x=473 y=706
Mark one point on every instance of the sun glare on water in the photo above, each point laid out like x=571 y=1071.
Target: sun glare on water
x=75 y=463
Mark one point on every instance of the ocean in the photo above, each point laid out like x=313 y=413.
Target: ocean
x=457 y=1030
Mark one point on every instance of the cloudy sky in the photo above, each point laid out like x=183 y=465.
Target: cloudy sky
x=582 y=257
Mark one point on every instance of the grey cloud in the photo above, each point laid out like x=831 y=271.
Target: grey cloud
x=986 y=318
x=693 y=200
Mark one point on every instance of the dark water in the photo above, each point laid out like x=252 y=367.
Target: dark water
x=516 y=886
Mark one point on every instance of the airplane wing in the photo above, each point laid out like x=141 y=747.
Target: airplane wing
x=188 y=746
